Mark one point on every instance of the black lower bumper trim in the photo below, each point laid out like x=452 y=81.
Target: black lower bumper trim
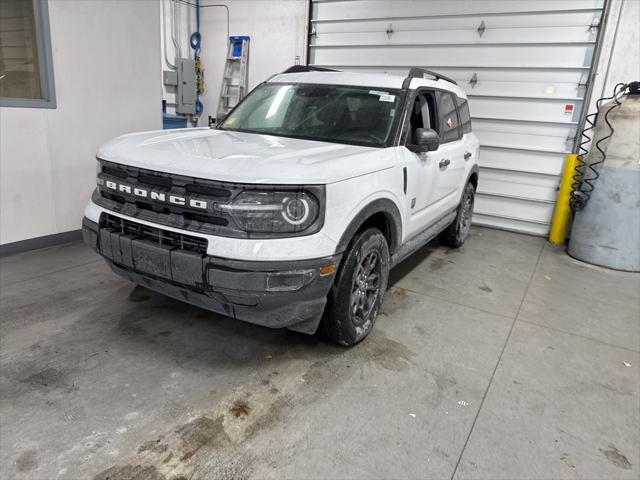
x=273 y=294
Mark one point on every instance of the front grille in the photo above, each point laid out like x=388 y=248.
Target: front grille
x=211 y=221
x=153 y=234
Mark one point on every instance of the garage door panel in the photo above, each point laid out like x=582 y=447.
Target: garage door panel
x=511 y=224
x=491 y=21
x=529 y=186
x=558 y=75
x=550 y=89
x=558 y=145
x=560 y=130
x=528 y=210
x=409 y=8
x=525 y=66
x=392 y=35
x=549 y=110
x=543 y=137
x=455 y=55
x=521 y=160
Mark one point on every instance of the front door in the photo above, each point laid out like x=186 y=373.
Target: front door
x=432 y=176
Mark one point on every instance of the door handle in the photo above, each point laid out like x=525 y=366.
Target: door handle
x=467 y=155
x=444 y=163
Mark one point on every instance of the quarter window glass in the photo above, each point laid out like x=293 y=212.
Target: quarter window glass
x=449 y=123
x=465 y=116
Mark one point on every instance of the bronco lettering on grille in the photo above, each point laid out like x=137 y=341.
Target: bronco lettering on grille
x=157 y=196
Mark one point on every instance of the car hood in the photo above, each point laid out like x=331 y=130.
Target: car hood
x=242 y=157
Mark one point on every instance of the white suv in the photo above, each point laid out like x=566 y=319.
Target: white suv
x=292 y=210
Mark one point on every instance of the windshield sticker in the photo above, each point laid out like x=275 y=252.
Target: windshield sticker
x=377 y=92
x=387 y=98
x=231 y=120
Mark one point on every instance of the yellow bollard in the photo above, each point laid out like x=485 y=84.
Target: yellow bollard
x=562 y=212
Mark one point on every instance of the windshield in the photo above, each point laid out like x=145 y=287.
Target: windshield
x=329 y=113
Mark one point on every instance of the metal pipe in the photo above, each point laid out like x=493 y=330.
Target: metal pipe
x=164 y=35
x=173 y=28
x=221 y=5
x=562 y=211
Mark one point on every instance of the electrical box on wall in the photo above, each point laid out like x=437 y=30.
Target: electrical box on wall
x=170 y=78
x=186 y=91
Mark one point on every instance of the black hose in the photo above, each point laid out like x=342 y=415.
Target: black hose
x=585 y=174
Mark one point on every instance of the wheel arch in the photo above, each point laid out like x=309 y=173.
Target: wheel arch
x=473 y=176
x=381 y=213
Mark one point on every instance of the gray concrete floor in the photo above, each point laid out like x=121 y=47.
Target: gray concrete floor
x=503 y=359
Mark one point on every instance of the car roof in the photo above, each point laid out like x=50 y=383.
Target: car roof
x=376 y=80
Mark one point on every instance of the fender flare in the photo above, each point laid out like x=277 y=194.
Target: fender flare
x=474 y=170
x=391 y=215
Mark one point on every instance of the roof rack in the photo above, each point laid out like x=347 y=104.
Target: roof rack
x=307 y=68
x=416 y=72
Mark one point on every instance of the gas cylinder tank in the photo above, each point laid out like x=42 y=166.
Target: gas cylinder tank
x=607 y=231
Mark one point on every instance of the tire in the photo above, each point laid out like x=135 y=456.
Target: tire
x=456 y=233
x=358 y=290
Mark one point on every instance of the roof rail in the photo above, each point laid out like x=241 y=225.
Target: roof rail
x=416 y=72
x=307 y=68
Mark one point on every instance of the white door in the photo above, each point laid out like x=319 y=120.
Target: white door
x=433 y=178
x=525 y=65
x=450 y=155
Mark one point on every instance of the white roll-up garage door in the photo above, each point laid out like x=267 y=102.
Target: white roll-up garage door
x=525 y=65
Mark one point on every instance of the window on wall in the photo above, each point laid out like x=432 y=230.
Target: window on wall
x=26 y=73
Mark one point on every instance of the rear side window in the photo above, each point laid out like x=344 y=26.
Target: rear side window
x=449 y=123
x=465 y=116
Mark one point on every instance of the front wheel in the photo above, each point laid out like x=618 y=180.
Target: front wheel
x=358 y=290
x=456 y=233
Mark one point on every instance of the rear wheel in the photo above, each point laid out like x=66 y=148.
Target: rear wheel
x=456 y=233
x=358 y=290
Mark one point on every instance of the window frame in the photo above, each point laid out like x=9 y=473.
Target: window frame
x=406 y=134
x=45 y=63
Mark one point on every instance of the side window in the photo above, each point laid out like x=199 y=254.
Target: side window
x=423 y=113
x=449 y=123
x=465 y=115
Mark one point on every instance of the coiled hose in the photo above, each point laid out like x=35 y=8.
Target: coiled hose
x=586 y=175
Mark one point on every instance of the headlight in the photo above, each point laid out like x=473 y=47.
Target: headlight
x=273 y=212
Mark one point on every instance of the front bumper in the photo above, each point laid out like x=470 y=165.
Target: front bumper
x=278 y=294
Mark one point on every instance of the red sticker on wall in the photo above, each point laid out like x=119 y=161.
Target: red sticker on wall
x=568 y=109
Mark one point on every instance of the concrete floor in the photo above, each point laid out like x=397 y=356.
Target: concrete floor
x=503 y=359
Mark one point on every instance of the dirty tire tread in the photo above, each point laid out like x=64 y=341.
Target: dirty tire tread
x=336 y=325
x=451 y=236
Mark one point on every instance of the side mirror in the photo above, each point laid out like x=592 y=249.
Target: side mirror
x=425 y=140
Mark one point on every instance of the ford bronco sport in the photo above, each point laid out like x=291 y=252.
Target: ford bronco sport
x=291 y=211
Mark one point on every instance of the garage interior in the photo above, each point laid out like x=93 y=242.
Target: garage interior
x=514 y=356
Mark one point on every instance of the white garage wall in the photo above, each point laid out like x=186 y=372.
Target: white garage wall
x=278 y=35
x=106 y=59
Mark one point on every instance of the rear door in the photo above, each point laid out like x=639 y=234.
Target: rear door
x=450 y=155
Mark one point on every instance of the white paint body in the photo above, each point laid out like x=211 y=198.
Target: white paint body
x=354 y=176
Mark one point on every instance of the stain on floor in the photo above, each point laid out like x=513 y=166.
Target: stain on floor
x=27 y=461
x=616 y=457
x=130 y=472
